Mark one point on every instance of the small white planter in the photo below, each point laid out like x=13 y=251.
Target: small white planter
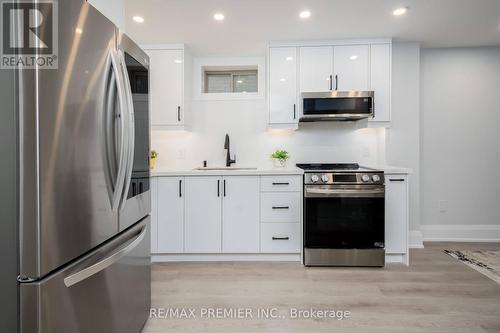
x=279 y=163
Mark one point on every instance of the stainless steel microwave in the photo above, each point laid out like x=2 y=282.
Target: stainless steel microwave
x=337 y=106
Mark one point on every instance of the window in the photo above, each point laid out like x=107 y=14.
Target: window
x=230 y=80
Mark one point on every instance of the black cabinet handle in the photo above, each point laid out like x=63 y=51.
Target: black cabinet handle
x=281 y=207
x=178 y=113
x=396 y=180
x=281 y=238
x=331 y=82
x=180 y=188
x=294 y=112
x=336 y=82
x=218 y=188
x=224 y=187
x=277 y=183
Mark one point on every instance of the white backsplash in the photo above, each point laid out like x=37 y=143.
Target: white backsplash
x=245 y=122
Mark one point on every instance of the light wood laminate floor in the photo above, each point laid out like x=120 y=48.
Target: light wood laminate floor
x=435 y=294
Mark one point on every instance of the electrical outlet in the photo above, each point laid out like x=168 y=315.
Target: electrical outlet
x=181 y=154
x=443 y=205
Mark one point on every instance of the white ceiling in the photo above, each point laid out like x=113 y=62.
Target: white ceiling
x=249 y=24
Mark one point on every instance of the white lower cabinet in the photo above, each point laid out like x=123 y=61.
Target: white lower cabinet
x=244 y=214
x=170 y=219
x=396 y=213
x=202 y=222
x=240 y=214
x=280 y=237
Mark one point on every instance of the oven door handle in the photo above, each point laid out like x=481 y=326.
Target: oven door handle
x=345 y=193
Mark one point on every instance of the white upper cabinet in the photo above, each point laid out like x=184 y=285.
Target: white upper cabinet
x=380 y=80
x=167 y=87
x=316 y=69
x=240 y=214
x=283 y=85
x=170 y=219
x=203 y=214
x=350 y=65
x=325 y=66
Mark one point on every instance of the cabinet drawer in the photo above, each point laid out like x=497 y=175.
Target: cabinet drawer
x=280 y=237
x=280 y=183
x=280 y=206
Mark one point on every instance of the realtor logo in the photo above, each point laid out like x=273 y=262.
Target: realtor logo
x=29 y=34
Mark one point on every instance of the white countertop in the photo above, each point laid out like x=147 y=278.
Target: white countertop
x=389 y=169
x=226 y=172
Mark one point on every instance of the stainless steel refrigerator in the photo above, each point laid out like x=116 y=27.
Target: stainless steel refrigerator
x=74 y=167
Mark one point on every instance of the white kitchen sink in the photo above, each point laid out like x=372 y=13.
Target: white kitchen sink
x=224 y=168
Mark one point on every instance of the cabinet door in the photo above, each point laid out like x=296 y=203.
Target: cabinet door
x=316 y=68
x=396 y=216
x=167 y=82
x=380 y=80
x=283 y=85
x=170 y=215
x=203 y=213
x=240 y=219
x=350 y=64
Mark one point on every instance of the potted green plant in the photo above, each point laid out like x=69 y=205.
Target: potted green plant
x=280 y=157
x=154 y=155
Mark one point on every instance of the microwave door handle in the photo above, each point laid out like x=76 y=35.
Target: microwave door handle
x=130 y=128
x=122 y=103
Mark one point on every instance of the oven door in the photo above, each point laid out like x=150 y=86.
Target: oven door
x=344 y=217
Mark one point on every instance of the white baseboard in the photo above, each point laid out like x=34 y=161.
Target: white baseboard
x=415 y=240
x=461 y=233
x=225 y=257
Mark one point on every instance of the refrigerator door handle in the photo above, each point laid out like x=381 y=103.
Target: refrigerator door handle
x=130 y=127
x=118 y=188
x=87 y=272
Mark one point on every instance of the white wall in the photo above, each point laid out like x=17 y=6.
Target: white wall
x=460 y=143
x=245 y=122
x=112 y=9
x=403 y=137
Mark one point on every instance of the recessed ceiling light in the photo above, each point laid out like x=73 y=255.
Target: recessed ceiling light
x=282 y=80
x=400 y=11
x=353 y=57
x=239 y=81
x=79 y=31
x=138 y=19
x=218 y=16
x=289 y=58
x=305 y=14
x=177 y=61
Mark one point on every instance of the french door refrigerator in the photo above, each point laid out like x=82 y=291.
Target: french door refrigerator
x=75 y=225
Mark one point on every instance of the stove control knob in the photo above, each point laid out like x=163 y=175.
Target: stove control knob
x=325 y=178
x=365 y=178
x=314 y=178
x=376 y=178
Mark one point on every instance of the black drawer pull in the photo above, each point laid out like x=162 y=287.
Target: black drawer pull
x=281 y=183
x=397 y=180
x=281 y=238
x=281 y=207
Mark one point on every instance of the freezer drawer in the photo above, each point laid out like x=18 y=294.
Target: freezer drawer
x=108 y=290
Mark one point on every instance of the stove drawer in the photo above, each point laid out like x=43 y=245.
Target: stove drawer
x=280 y=206
x=280 y=183
x=280 y=237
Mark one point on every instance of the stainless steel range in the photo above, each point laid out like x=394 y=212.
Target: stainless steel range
x=344 y=215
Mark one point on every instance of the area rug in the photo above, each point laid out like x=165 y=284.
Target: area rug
x=484 y=261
